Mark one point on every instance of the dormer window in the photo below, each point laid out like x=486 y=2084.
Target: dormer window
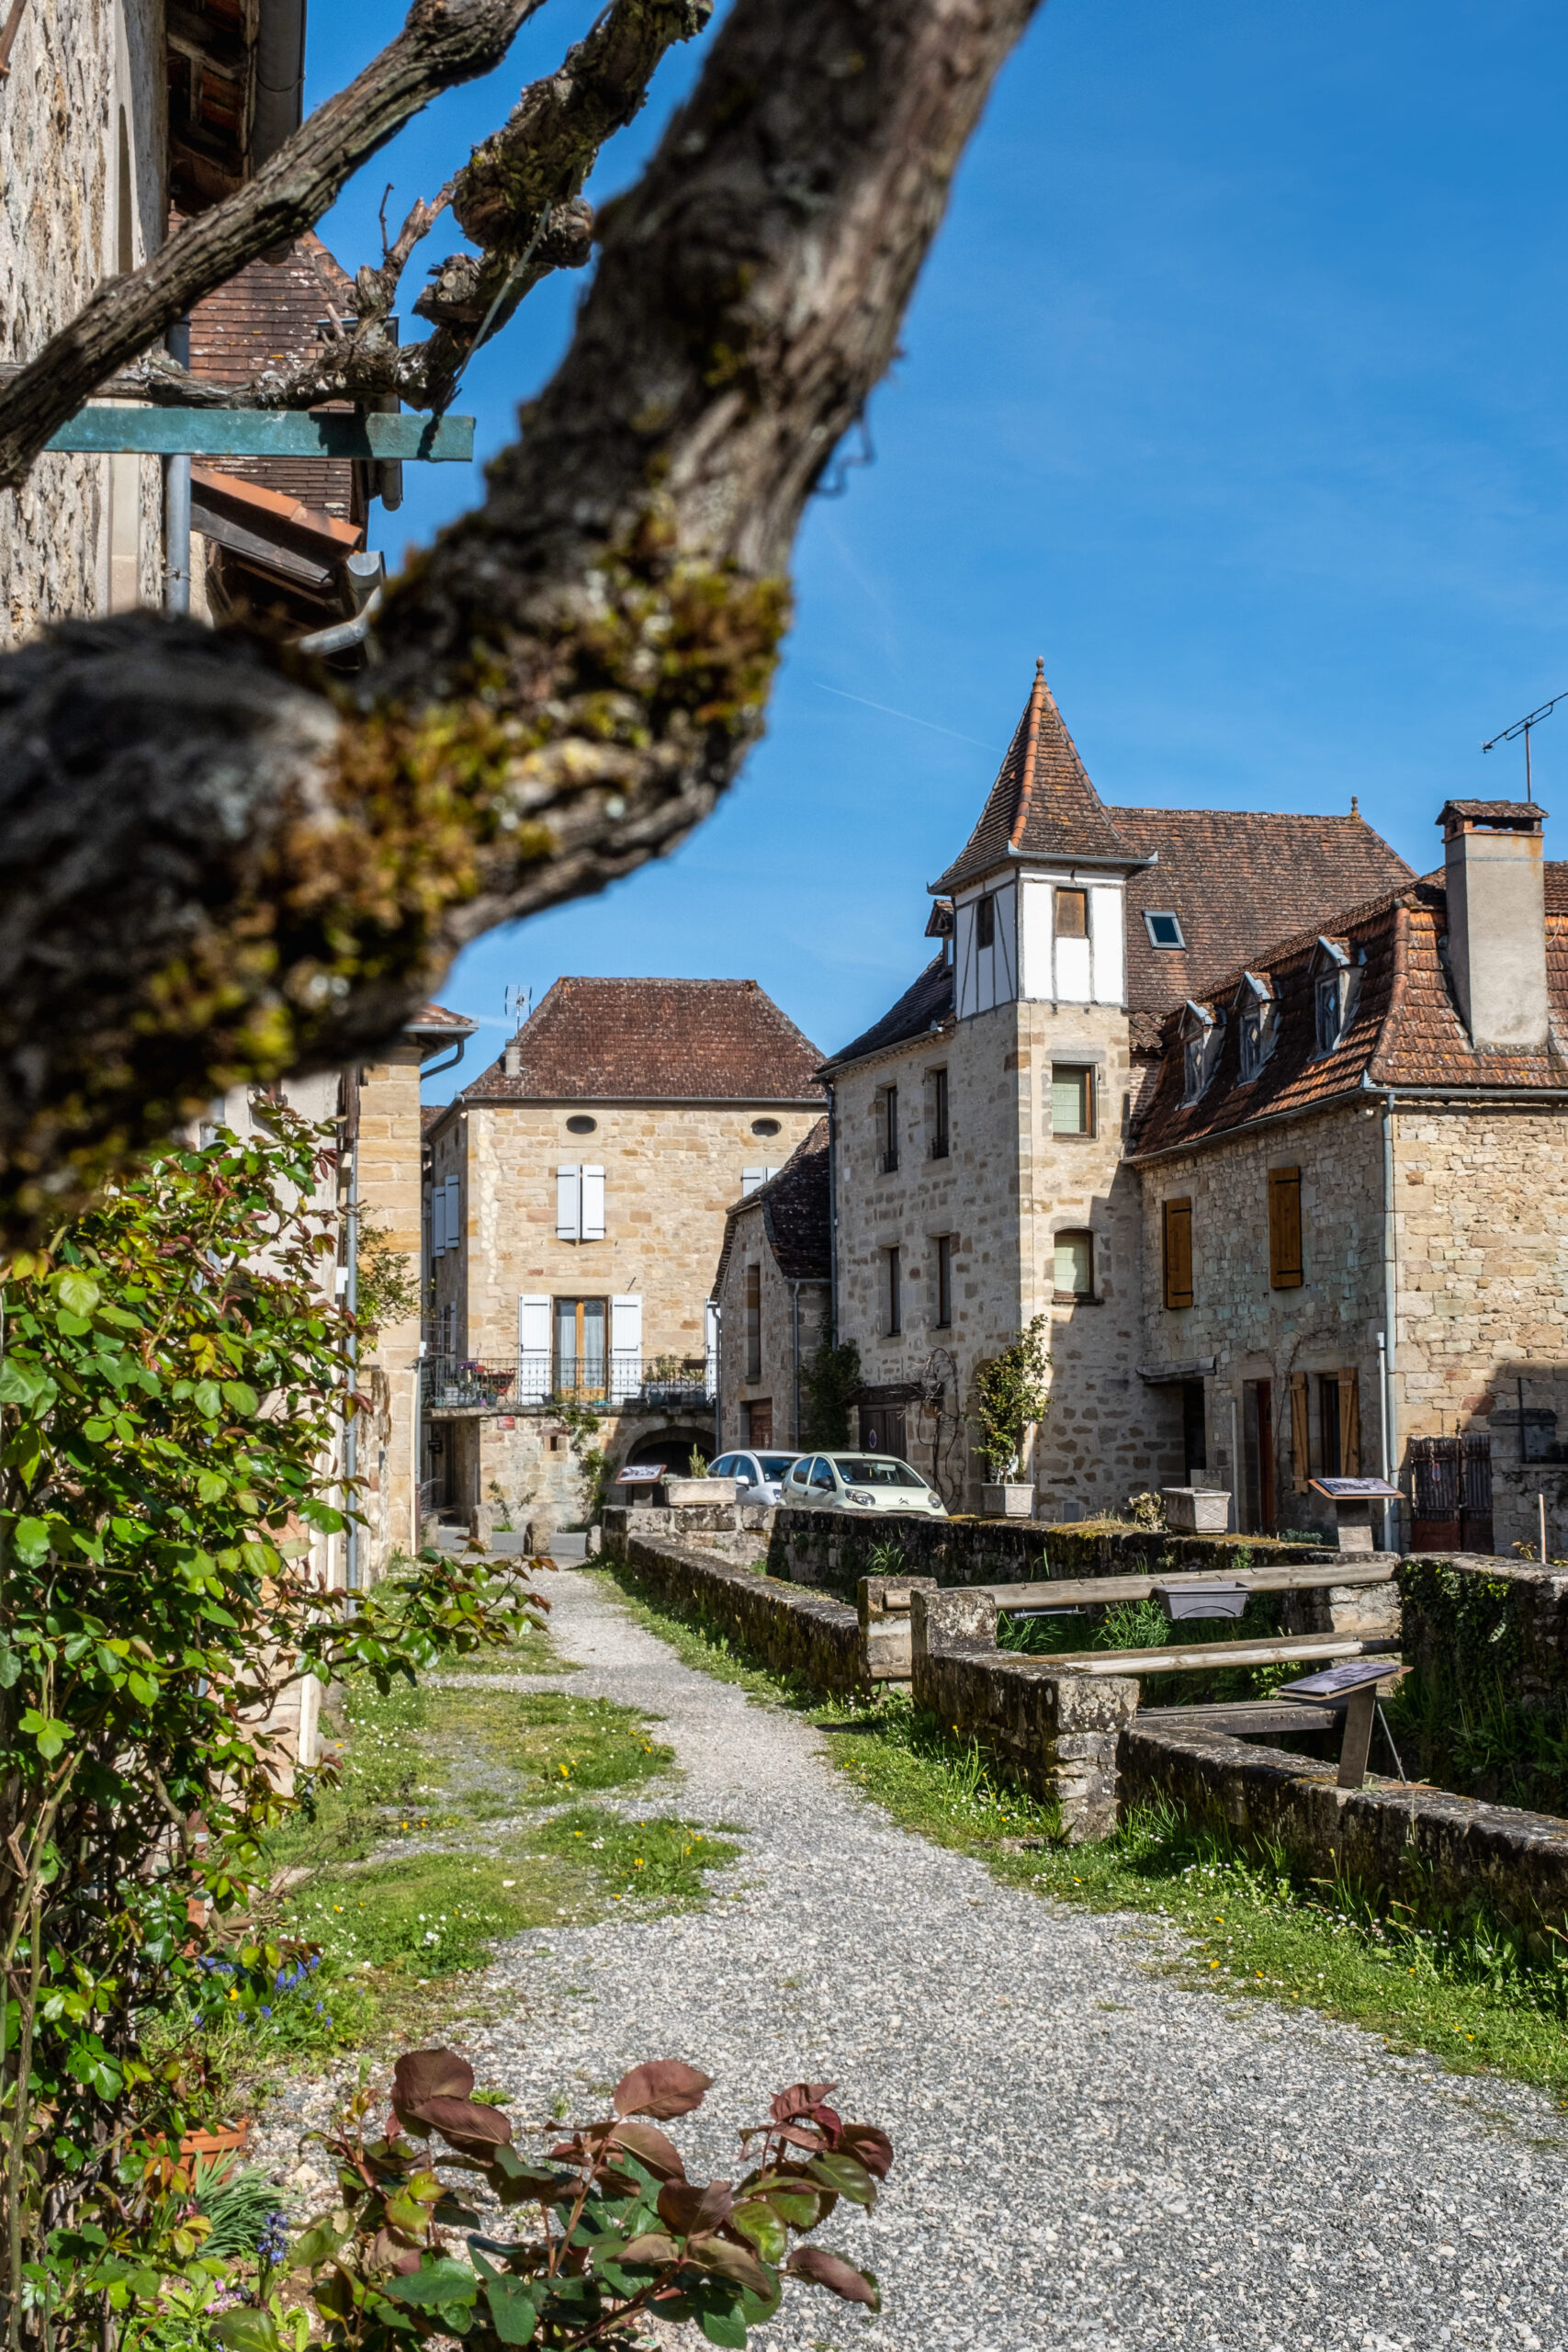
x=1335 y=986
x=1201 y=1033
x=1164 y=930
x=1255 y=1018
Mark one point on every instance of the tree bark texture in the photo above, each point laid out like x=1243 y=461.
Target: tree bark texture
x=215 y=867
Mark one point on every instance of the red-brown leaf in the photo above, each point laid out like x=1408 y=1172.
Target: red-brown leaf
x=691 y=2211
x=422 y=2075
x=798 y=2099
x=871 y=2147
x=830 y=2270
x=660 y=2156
x=662 y=2089
x=468 y=2123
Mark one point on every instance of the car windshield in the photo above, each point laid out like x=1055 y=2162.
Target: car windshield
x=878 y=1470
x=773 y=1466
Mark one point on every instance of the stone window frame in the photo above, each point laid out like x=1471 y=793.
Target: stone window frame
x=1092 y=1296
x=943 y=1245
x=1088 y=1075
x=942 y=1113
x=892 y=1289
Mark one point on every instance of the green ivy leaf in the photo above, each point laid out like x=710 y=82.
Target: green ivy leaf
x=241 y=1398
x=76 y=1290
x=30 y=1538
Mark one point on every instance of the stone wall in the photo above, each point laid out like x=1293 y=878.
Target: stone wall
x=795 y=1633
x=737 y=1531
x=1413 y=1845
x=1474 y=1624
x=1247 y=1332
x=831 y=1552
x=84 y=535
x=1055 y=1734
x=390 y=1193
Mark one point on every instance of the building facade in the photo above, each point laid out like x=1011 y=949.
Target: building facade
x=773 y=1294
x=576 y=1196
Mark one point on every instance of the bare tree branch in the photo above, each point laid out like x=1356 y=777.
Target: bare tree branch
x=442 y=42
x=211 y=869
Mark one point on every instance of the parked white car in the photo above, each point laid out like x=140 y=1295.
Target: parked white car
x=758 y=1476
x=860 y=1482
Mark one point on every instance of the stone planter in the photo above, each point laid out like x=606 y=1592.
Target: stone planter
x=718 y=1491
x=1196 y=1510
x=1007 y=1502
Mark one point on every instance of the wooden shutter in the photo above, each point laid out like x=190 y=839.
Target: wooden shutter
x=1349 y=1425
x=1285 y=1228
x=454 y=1213
x=533 y=1350
x=1178 y=1254
x=438 y=1221
x=626 y=1325
x=568 y=1204
x=594 y=1204
x=1301 y=1433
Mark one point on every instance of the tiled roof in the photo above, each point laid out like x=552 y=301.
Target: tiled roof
x=1527 y=815
x=920 y=1010
x=1237 y=880
x=1042 y=804
x=655 y=1041
x=795 y=1207
x=1403 y=1029
x=267 y=314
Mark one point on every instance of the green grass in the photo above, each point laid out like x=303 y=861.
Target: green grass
x=1467 y=1993
x=694 y=1645
x=659 y=1861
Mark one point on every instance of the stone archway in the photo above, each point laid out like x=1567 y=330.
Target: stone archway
x=670 y=1447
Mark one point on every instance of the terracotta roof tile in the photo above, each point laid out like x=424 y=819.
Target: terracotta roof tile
x=438 y=1016
x=1042 y=804
x=1237 y=880
x=796 y=1208
x=1525 y=815
x=650 y=1041
x=921 y=1008
x=1405 y=1030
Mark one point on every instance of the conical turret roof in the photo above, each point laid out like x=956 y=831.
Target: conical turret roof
x=1042 y=804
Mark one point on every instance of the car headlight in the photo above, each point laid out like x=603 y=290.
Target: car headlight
x=857 y=1497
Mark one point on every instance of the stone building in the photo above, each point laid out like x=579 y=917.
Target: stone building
x=982 y=1131
x=774 y=1292
x=119 y=119
x=1355 y=1204
x=576 y=1195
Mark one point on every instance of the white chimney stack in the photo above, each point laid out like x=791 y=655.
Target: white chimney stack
x=1494 y=859
x=514 y=1061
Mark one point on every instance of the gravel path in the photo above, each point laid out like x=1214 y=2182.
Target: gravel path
x=1087 y=2154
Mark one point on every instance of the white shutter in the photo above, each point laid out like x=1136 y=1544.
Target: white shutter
x=533 y=1350
x=438 y=1221
x=749 y=1180
x=453 y=1214
x=594 y=1204
x=568 y=1204
x=626 y=1346
x=710 y=1346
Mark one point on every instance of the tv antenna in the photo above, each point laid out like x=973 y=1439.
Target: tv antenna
x=1522 y=727
x=519 y=997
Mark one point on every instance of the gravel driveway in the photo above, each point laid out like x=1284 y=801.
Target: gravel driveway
x=1087 y=2154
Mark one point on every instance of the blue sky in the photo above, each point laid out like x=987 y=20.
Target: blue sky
x=1234 y=387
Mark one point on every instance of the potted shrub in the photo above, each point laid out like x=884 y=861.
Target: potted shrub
x=1012 y=1395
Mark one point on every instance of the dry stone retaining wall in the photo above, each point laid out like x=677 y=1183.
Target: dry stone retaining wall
x=796 y=1633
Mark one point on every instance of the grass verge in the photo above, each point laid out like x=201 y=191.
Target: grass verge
x=1467 y=1993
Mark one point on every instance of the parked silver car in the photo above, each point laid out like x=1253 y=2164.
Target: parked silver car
x=860 y=1482
x=758 y=1476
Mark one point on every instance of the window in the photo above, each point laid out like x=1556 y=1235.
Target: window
x=1072 y=914
x=580 y=1204
x=1255 y=1011
x=580 y=1347
x=753 y=1322
x=821 y=1476
x=764 y=1126
x=984 y=922
x=1284 y=1228
x=887 y=1108
x=938 y=1115
x=1201 y=1033
x=944 y=1281
x=580 y=1124
x=895 y=1292
x=1074 y=1265
x=1328 y=1012
x=1072 y=1100
x=1339 y=1425
x=1328 y=1426
x=752 y=1178
x=1177 y=1236
x=1164 y=930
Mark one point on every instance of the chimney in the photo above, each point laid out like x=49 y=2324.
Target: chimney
x=514 y=1060
x=1494 y=865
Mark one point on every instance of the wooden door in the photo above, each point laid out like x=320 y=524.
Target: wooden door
x=882 y=1429
x=1268 y=1510
x=759 y=1421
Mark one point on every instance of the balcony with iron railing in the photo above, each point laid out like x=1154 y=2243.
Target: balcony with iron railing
x=535 y=1381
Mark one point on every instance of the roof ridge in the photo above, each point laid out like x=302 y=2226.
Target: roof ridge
x=1040 y=693
x=1281 y=951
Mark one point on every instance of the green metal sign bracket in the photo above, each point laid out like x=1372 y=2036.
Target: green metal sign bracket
x=266 y=432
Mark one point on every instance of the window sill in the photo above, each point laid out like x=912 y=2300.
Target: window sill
x=1075 y=1298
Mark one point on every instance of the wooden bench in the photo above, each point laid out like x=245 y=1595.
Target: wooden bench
x=1293 y=1649
x=1049 y=1595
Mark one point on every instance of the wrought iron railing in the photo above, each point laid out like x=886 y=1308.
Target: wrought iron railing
x=536 y=1378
